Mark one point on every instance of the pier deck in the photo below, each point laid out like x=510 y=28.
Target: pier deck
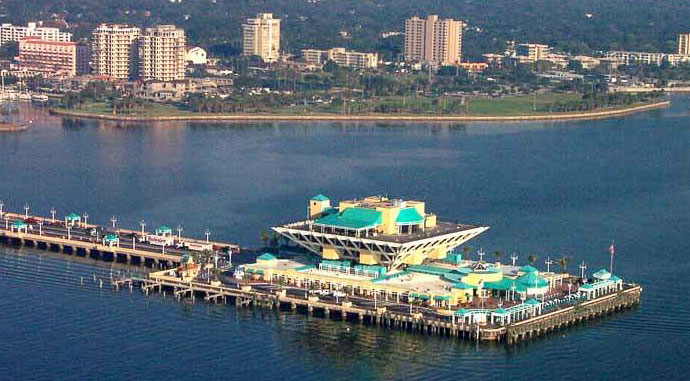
x=50 y=234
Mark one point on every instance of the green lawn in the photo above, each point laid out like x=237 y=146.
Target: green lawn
x=519 y=105
x=154 y=109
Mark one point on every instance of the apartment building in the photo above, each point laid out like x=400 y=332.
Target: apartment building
x=627 y=58
x=433 y=41
x=114 y=51
x=52 y=58
x=162 y=54
x=9 y=32
x=684 y=44
x=262 y=37
x=532 y=53
x=341 y=57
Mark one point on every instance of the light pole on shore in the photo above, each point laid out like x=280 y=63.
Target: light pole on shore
x=52 y=213
x=142 y=223
x=26 y=210
x=113 y=219
x=207 y=232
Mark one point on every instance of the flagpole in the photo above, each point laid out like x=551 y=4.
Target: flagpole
x=611 y=250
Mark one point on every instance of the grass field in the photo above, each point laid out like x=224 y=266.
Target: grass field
x=522 y=105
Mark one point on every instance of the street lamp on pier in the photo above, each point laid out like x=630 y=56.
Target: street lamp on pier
x=69 y=232
x=113 y=219
x=179 y=232
x=207 y=232
x=86 y=218
x=2 y=203
x=26 y=210
x=52 y=213
x=40 y=227
x=142 y=223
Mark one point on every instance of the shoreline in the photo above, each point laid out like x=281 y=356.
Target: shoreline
x=370 y=118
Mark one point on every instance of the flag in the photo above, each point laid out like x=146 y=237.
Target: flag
x=612 y=249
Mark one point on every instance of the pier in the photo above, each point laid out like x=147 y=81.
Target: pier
x=72 y=235
x=421 y=321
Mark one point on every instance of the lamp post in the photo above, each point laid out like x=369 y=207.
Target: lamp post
x=86 y=219
x=40 y=227
x=26 y=210
x=480 y=253
x=548 y=264
x=69 y=232
x=2 y=204
x=514 y=258
x=179 y=232
x=142 y=223
x=52 y=213
x=134 y=243
x=583 y=267
x=113 y=219
x=207 y=233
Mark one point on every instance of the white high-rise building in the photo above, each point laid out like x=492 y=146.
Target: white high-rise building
x=9 y=32
x=114 y=51
x=162 y=54
x=262 y=37
x=684 y=44
x=433 y=41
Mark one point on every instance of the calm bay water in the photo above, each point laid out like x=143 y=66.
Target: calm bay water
x=552 y=189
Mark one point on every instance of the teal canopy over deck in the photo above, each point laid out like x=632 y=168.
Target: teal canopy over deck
x=352 y=218
x=409 y=216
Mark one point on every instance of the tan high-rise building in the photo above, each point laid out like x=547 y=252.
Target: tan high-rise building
x=684 y=44
x=262 y=37
x=114 y=51
x=162 y=54
x=433 y=41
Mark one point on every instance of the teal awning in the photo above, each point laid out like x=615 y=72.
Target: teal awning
x=352 y=218
x=266 y=257
x=464 y=286
x=442 y=297
x=320 y=197
x=19 y=224
x=409 y=216
x=73 y=217
x=532 y=280
x=602 y=274
x=528 y=269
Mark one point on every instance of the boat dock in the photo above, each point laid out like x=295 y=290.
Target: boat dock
x=74 y=236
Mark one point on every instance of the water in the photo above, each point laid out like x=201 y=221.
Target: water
x=552 y=189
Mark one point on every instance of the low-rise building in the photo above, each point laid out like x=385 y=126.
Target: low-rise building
x=627 y=58
x=196 y=55
x=341 y=57
x=584 y=62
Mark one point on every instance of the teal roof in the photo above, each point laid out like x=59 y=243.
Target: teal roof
x=320 y=197
x=531 y=280
x=431 y=270
x=464 y=286
x=501 y=311
x=442 y=297
x=19 y=224
x=614 y=278
x=111 y=238
x=352 y=218
x=72 y=216
x=602 y=274
x=503 y=284
x=409 y=216
x=266 y=257
x=164 y=228
x=528 y=269
x=532 y=302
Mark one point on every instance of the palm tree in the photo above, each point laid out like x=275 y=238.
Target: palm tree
x=275 y=239
x=498 y=254
x=264 y=237
x=532 y=258
x=466 y=252
x=563 y=262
